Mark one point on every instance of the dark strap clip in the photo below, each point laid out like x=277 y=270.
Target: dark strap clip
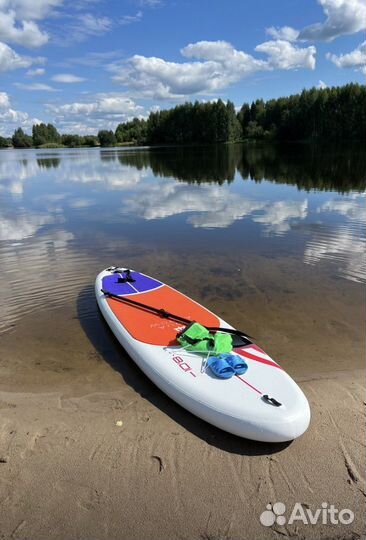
x=125 y=276
x=271 y=400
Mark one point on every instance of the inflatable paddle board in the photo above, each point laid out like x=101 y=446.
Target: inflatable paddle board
x=264 y=404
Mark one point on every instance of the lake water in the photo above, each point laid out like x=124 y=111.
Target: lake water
x=272 y=239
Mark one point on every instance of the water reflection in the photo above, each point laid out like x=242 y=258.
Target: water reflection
x=307 y=167
x=345 y=243
x=23 y=225
x=48 y=163
x=67 y=210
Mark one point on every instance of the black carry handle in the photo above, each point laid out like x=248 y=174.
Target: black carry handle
x=245 y=339
x=271 y=400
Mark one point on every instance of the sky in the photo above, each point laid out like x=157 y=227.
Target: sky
x=86 y=65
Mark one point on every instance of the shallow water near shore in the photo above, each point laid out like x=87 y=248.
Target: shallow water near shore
x=270 y=239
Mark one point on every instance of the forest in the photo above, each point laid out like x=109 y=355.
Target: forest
x=328 y=114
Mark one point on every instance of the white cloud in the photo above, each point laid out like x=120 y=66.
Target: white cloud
x=211 y=206
x=22 y=227
x=322 y=84
x=83 y=126
x=118 y=105
x=10 y=115
x=278 y=216
x=35 y=72
x=94 y=26
x=217 y=65
x=73 y=108
x=4 y=100
x=216 y=51
x=11 y=119
x=284 y=55
x=112 y=178
x=102 y=111
x=15 y=172
x=82 y=27
x=105 y=175
x=129 y=19
x=222 y=214
x=25 y=33
x=83 y=4
x=354 y=60
x=343 y=17
x=36 y=87
x=30 y=9
x=285 y=32
x=95 y=59
x=17 y=21
x=14 y=187
x=151 y=3
x=102 y=104
x=87 y=169
x=10 y=60
x=67 y=78
x=81 y=202
x=354 y=209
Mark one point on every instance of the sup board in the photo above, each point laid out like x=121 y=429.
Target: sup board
x=264 y=404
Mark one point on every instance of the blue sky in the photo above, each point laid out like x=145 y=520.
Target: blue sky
x=86 y=65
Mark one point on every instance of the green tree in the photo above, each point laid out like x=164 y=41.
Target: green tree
x=21 y=139
x=192 y=123
x=106 y=138
x=134 y=131
x=244 y=118
x=234 y=126
x=5 y=142
x=91 y=140
x=254 y=131
x=45 y=133
x=72 y=140
x=331 y=114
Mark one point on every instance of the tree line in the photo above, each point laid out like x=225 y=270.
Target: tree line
x=46 y=135
x=329 y=114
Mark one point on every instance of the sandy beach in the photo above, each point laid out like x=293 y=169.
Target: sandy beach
x=91 y=449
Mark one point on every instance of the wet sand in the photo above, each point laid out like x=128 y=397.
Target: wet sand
x=89 y=448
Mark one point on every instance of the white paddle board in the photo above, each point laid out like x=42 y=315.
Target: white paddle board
x=245 y=405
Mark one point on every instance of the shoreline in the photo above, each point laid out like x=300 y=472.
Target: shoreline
x=69 y=469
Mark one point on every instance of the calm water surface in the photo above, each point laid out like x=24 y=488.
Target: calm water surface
x=271 y=239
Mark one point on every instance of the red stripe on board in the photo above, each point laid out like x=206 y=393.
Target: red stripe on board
x=254 y=346
x=248 y=384
x=250 y=356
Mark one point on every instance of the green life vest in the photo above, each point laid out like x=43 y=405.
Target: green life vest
x=197 y=338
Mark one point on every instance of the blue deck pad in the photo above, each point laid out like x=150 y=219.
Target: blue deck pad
x=141 y=284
